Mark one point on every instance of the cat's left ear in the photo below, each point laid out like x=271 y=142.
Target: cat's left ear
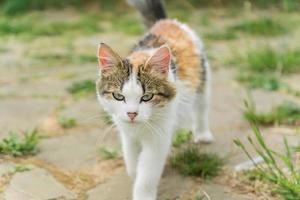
x=107 y=58
x=160 y=60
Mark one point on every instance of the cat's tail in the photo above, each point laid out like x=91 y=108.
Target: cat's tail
x=151 y=10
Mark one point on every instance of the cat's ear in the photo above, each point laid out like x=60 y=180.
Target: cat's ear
x=160 y=60
x=107 y=58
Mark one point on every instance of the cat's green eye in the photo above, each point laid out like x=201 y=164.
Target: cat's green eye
x=118 y=96
x=147 y=97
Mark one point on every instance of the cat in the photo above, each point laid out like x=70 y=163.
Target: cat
x=163 y=84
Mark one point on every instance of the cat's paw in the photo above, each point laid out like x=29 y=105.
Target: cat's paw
x=206 y=137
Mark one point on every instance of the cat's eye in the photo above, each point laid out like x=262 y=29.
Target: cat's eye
x=147 y=97
x=118 y=96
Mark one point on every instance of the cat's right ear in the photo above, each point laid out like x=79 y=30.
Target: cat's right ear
x=107 y=58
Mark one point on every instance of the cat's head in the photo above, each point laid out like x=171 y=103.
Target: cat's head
x=138 y=87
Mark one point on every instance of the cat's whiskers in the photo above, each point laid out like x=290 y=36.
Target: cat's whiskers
x=91 y=118
x=101 y=138
x=160 y=131
x=153 y=129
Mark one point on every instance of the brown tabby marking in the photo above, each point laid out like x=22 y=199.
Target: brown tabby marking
x=151 y=82
x=113 y=82
x=156 y=84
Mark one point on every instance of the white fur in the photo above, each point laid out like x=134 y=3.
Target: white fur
x=147 y=141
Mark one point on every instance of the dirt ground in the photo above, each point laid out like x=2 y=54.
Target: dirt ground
x=68 y=164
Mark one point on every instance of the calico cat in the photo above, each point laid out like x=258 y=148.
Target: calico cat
x=161 y=85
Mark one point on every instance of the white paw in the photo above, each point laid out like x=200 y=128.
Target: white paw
x=206 y=137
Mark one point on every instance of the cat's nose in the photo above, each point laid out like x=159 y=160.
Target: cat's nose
x=132 y=115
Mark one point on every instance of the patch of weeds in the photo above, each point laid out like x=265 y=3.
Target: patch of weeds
x=264 y=81
x=265 y=26
x=221 y=35
x=16 y=146
x=264 y=66
x=67 y=122
x=67 y=75
x=22 y=168
x=68 y=58
x=3 y=49
x=13 y=26
x=34 y=25
x=267 y=59
x=288 y=113
x=127 y=25
x=287 y=181
x=108 y=154
x=13 y=7
x=181 y=136
x=192 y=162
x=51 y=59
x=202 y=197
x=81 y=88
x=86 y=58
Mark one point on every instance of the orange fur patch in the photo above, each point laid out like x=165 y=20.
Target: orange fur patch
x=185 y=51
x=137 y=59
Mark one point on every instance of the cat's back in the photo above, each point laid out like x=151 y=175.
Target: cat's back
x=185 y=46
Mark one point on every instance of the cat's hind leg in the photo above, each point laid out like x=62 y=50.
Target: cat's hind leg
x=201 y=129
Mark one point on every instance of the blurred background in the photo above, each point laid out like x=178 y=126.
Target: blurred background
x=56 y=143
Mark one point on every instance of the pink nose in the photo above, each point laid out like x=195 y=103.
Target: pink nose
x=132 y=115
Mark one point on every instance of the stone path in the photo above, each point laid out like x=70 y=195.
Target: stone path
x=68 y=165
x=74 y=154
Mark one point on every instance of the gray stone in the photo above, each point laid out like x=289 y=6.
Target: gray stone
x=119 y=187
x=6 y=168
x=86 y=111
x=75 y=150
x=220 y=192
x=36 y=184
x=23 y=114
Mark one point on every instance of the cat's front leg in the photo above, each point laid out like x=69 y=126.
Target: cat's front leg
x=131 y=150
x=149 y=169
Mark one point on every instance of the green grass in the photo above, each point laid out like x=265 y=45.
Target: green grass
x=265 y=26
x=288 y=113
x=82 y=88
x=108 y=154
x=264 y=81
x=181 y=136
x=127 y=24
x=19 y=146
x=67 y=58
x=221 y=35
x=35 y=25
x=264 y=66
x=14 y=7
x=67 y=122
x=286 y=182
x=22 y=168
x=267 y=59
x=192 y=162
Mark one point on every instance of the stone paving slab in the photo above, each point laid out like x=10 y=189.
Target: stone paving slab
x=221 y=192
x=23 y=114
x=75 y=150
x=38 y=88
x=119 y=187
x=36 y=184
x=6 y=168
x=86 y=111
